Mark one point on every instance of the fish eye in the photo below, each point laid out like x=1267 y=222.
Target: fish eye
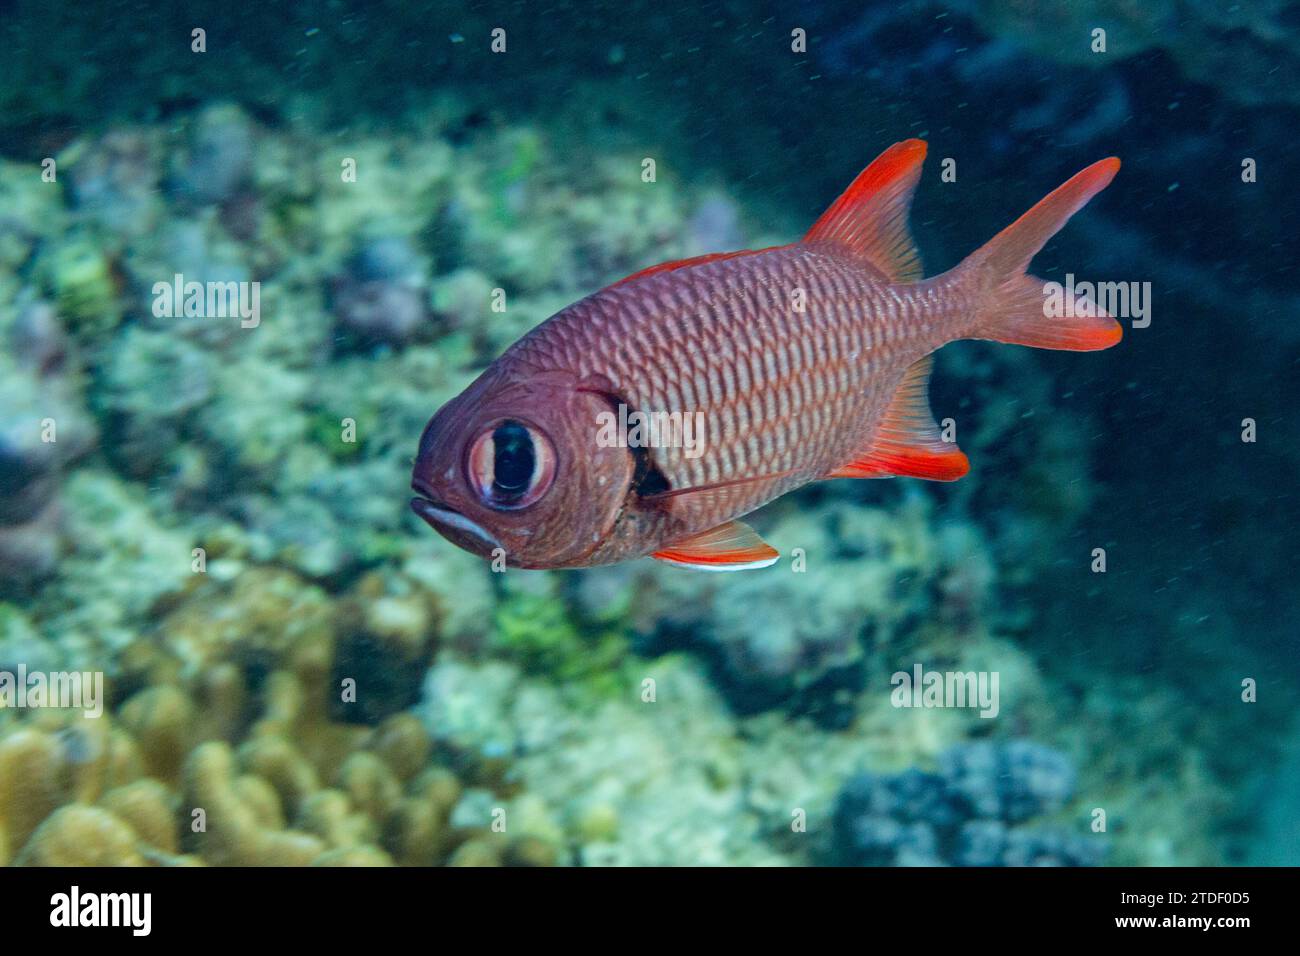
x=511 y=465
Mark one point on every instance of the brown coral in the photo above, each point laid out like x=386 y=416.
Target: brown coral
x=231 y=752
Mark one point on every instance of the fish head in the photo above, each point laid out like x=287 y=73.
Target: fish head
x=513 y=463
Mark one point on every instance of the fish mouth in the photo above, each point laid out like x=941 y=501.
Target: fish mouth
x=442 y=517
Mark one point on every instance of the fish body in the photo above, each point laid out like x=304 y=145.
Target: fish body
x=800 y=363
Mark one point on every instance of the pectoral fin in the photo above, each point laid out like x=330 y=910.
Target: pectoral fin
x=733 y=546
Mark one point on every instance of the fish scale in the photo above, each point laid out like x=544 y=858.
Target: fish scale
x=760 y=345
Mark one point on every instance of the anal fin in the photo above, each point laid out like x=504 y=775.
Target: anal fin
x=733 y=546
x=908 y=443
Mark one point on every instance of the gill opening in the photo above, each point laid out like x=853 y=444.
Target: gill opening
x=648 y=480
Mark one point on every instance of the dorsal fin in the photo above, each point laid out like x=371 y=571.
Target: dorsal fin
x=733 y=546
x=907 y=442
x=684 y=263
x=870 y=218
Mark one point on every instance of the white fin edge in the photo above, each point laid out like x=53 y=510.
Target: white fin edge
x=745 y=566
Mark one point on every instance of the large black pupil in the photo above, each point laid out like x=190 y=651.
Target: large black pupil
x=512 y=467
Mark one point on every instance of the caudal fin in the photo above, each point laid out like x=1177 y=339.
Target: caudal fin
x=1015 y=307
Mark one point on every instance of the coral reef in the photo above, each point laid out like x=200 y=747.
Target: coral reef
x=1247 y=49
x=628 y=780
x=44 y=430
x=382 y=295
x=298 y=672
x=856 y=583
x=216 y=165
x=969 y=813
x=230 y=753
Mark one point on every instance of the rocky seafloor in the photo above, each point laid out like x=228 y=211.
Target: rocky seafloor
x=299 y=672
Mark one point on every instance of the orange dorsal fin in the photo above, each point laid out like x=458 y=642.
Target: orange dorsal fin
x=870 y=219
x=908 y=442
x=733 y=546
x=684 y=263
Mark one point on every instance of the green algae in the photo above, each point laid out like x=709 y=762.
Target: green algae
x=539 y=632
x=79 y=277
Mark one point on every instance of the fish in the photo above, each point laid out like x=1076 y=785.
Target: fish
x=801 y=363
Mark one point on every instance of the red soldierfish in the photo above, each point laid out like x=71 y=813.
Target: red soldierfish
x=801 y=362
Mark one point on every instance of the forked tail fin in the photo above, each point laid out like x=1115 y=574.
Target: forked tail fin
x=1015 y=307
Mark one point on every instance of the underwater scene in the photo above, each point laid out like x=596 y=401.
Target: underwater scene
x=317 y=547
